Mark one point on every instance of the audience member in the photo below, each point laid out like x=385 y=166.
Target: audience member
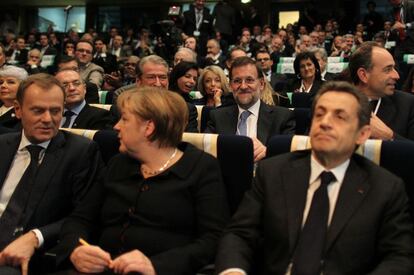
x=103 y=58
x=78 y=113
x=214 y=87
x=89 y=71
x=164 y=198
x=304 y=208
x=183 y=80
x=10 y=78
x=46 y=173
x=373 y=71
x=250 y=117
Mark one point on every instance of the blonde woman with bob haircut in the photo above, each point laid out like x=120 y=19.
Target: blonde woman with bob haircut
x=163 y=205
x=214 y=87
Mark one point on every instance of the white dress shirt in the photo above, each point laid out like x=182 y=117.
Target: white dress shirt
x=314 y=183
x=19 y=165
x=4 y=109
x=252 y=119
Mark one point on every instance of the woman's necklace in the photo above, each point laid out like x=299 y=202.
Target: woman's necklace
x=162 y=168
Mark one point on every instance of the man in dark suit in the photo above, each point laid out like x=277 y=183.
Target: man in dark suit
x=265 y=62
x=251 y=116
x=402 y=15
x=372 y=70
x=18 y=55
x=198 y=22
x=103 y=58
x=78 y=113
x=44 y=174
x=324 y=210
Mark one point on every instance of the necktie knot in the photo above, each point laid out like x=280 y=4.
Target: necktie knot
x=68 y=117
x=244 y=115
x=242 y=126
x=327 y=178
x=34 y=151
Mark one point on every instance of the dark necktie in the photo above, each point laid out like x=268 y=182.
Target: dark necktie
x=10 y=221
x=373 y=104
x=68 y=116
x=309 y=251
x=242 y=127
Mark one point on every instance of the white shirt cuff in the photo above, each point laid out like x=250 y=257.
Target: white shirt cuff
x=39 y=237
x=241 y=271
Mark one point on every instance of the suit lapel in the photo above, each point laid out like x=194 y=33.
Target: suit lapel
x=230 y=123
x=45 y=173
x=387 y=111
x=353 y=191
x=80 y=118
x=264 y=123
x=296 y=183
x=8 y=153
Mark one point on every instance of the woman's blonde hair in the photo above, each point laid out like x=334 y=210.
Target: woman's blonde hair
x=167 y=110
x=267 y=94
x=225 y=87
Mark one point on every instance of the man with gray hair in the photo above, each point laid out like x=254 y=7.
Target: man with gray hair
x=153 y=70
x=185 y=54
x=322 y=57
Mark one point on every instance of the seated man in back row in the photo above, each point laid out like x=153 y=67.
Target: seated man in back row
x=79 y=114
x=152 y=71
x=324 y=210
x=44 y=174
x=250 y=117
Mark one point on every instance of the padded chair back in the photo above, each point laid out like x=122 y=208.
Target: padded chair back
x=102 y=106
x=301 y=100
x=303 y=120
x=395 y=156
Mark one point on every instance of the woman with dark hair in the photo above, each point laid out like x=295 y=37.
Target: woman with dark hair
x=183 y=80
x=308 y=80
x=69 y=48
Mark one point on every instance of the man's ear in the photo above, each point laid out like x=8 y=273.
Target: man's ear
x=363 y=75
x=18 y=109
x=363 y=134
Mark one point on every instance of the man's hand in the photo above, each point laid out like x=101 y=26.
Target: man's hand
x=134 y=261
x=259 y=150
x=379 y=130
x=398 y=25
x=90 y=259
x=20 y=251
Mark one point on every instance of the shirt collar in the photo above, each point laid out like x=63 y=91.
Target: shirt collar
x=254 y=109
x=338 y=171
x=24 y=142
x=78 y=108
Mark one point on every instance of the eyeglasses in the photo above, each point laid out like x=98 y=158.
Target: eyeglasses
x=262 y=59
x=239 y=81
x=153 y=77
x=75 y=84
x=84 y=51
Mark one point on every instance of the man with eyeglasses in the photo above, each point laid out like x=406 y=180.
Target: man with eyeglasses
x=265 y=62
x=78 y=113
x=88 y=70
x=251 y=116
x=103 y=58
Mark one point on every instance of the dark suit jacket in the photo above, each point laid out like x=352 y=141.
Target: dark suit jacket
x=91 y=117
x=294 y=84
x=272 y=121
x=371 y=229
x=9 y=120
x=397 y=112
x=71 y=165
x=20 y=58
x=108 y=63
x=177 y=242
x=206 y=27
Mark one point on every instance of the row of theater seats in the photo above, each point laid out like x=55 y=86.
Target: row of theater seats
x=235 y=155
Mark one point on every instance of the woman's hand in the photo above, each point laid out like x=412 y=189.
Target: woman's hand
x=90 y=259
x=134 y=261
x=217 y=96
